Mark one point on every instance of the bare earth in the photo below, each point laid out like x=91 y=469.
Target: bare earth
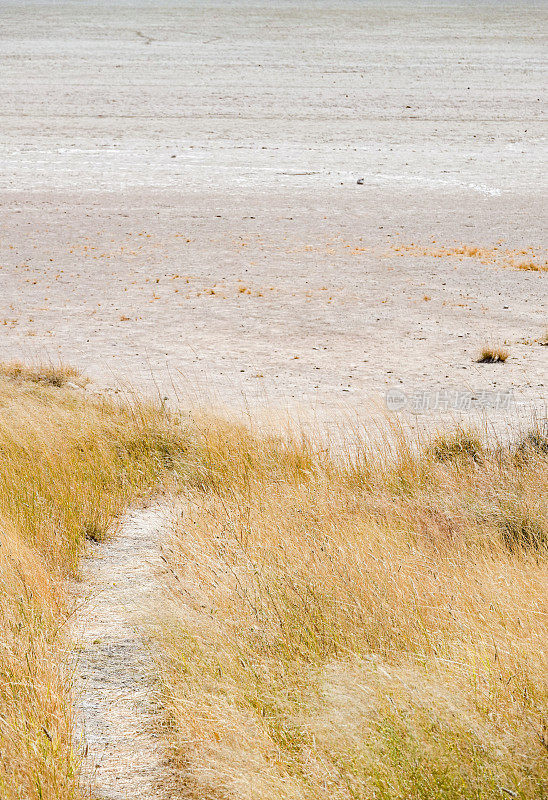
x=180 y=205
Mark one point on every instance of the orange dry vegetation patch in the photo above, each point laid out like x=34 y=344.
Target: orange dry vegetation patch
x=529 y=258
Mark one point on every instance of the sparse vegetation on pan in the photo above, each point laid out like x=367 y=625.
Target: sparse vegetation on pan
x=530 y=259
x=492 y=355
x=57 y=375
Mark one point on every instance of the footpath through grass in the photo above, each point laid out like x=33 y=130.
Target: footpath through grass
x=69 y=466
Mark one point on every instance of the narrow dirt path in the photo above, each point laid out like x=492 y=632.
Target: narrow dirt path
x=114 y=683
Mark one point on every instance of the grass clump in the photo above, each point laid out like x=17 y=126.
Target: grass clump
x=533 y=442
x=492 y=355
x=57 y=375
x=360 y=630
x=521 y=525
x=458 y=444
x=69 y=467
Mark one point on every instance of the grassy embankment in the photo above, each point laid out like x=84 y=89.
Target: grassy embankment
x=374 y=630
x=370 y=630
x=69 y=466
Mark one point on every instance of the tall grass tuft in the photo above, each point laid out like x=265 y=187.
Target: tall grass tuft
x=57 y=375
x=492 y=355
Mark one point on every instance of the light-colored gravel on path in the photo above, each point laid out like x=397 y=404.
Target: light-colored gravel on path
x=116 y=716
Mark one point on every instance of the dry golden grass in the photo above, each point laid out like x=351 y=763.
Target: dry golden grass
x=69 y=467
x=492 y=355
x=530 y=266
x=529 y=259
x=376 y=629
x=57 y=375
x=369 y=629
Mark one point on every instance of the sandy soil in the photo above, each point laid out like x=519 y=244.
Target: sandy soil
x=180 y=206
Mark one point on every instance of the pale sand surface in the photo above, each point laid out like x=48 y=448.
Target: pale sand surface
x=118 y=721
x=273 y=111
